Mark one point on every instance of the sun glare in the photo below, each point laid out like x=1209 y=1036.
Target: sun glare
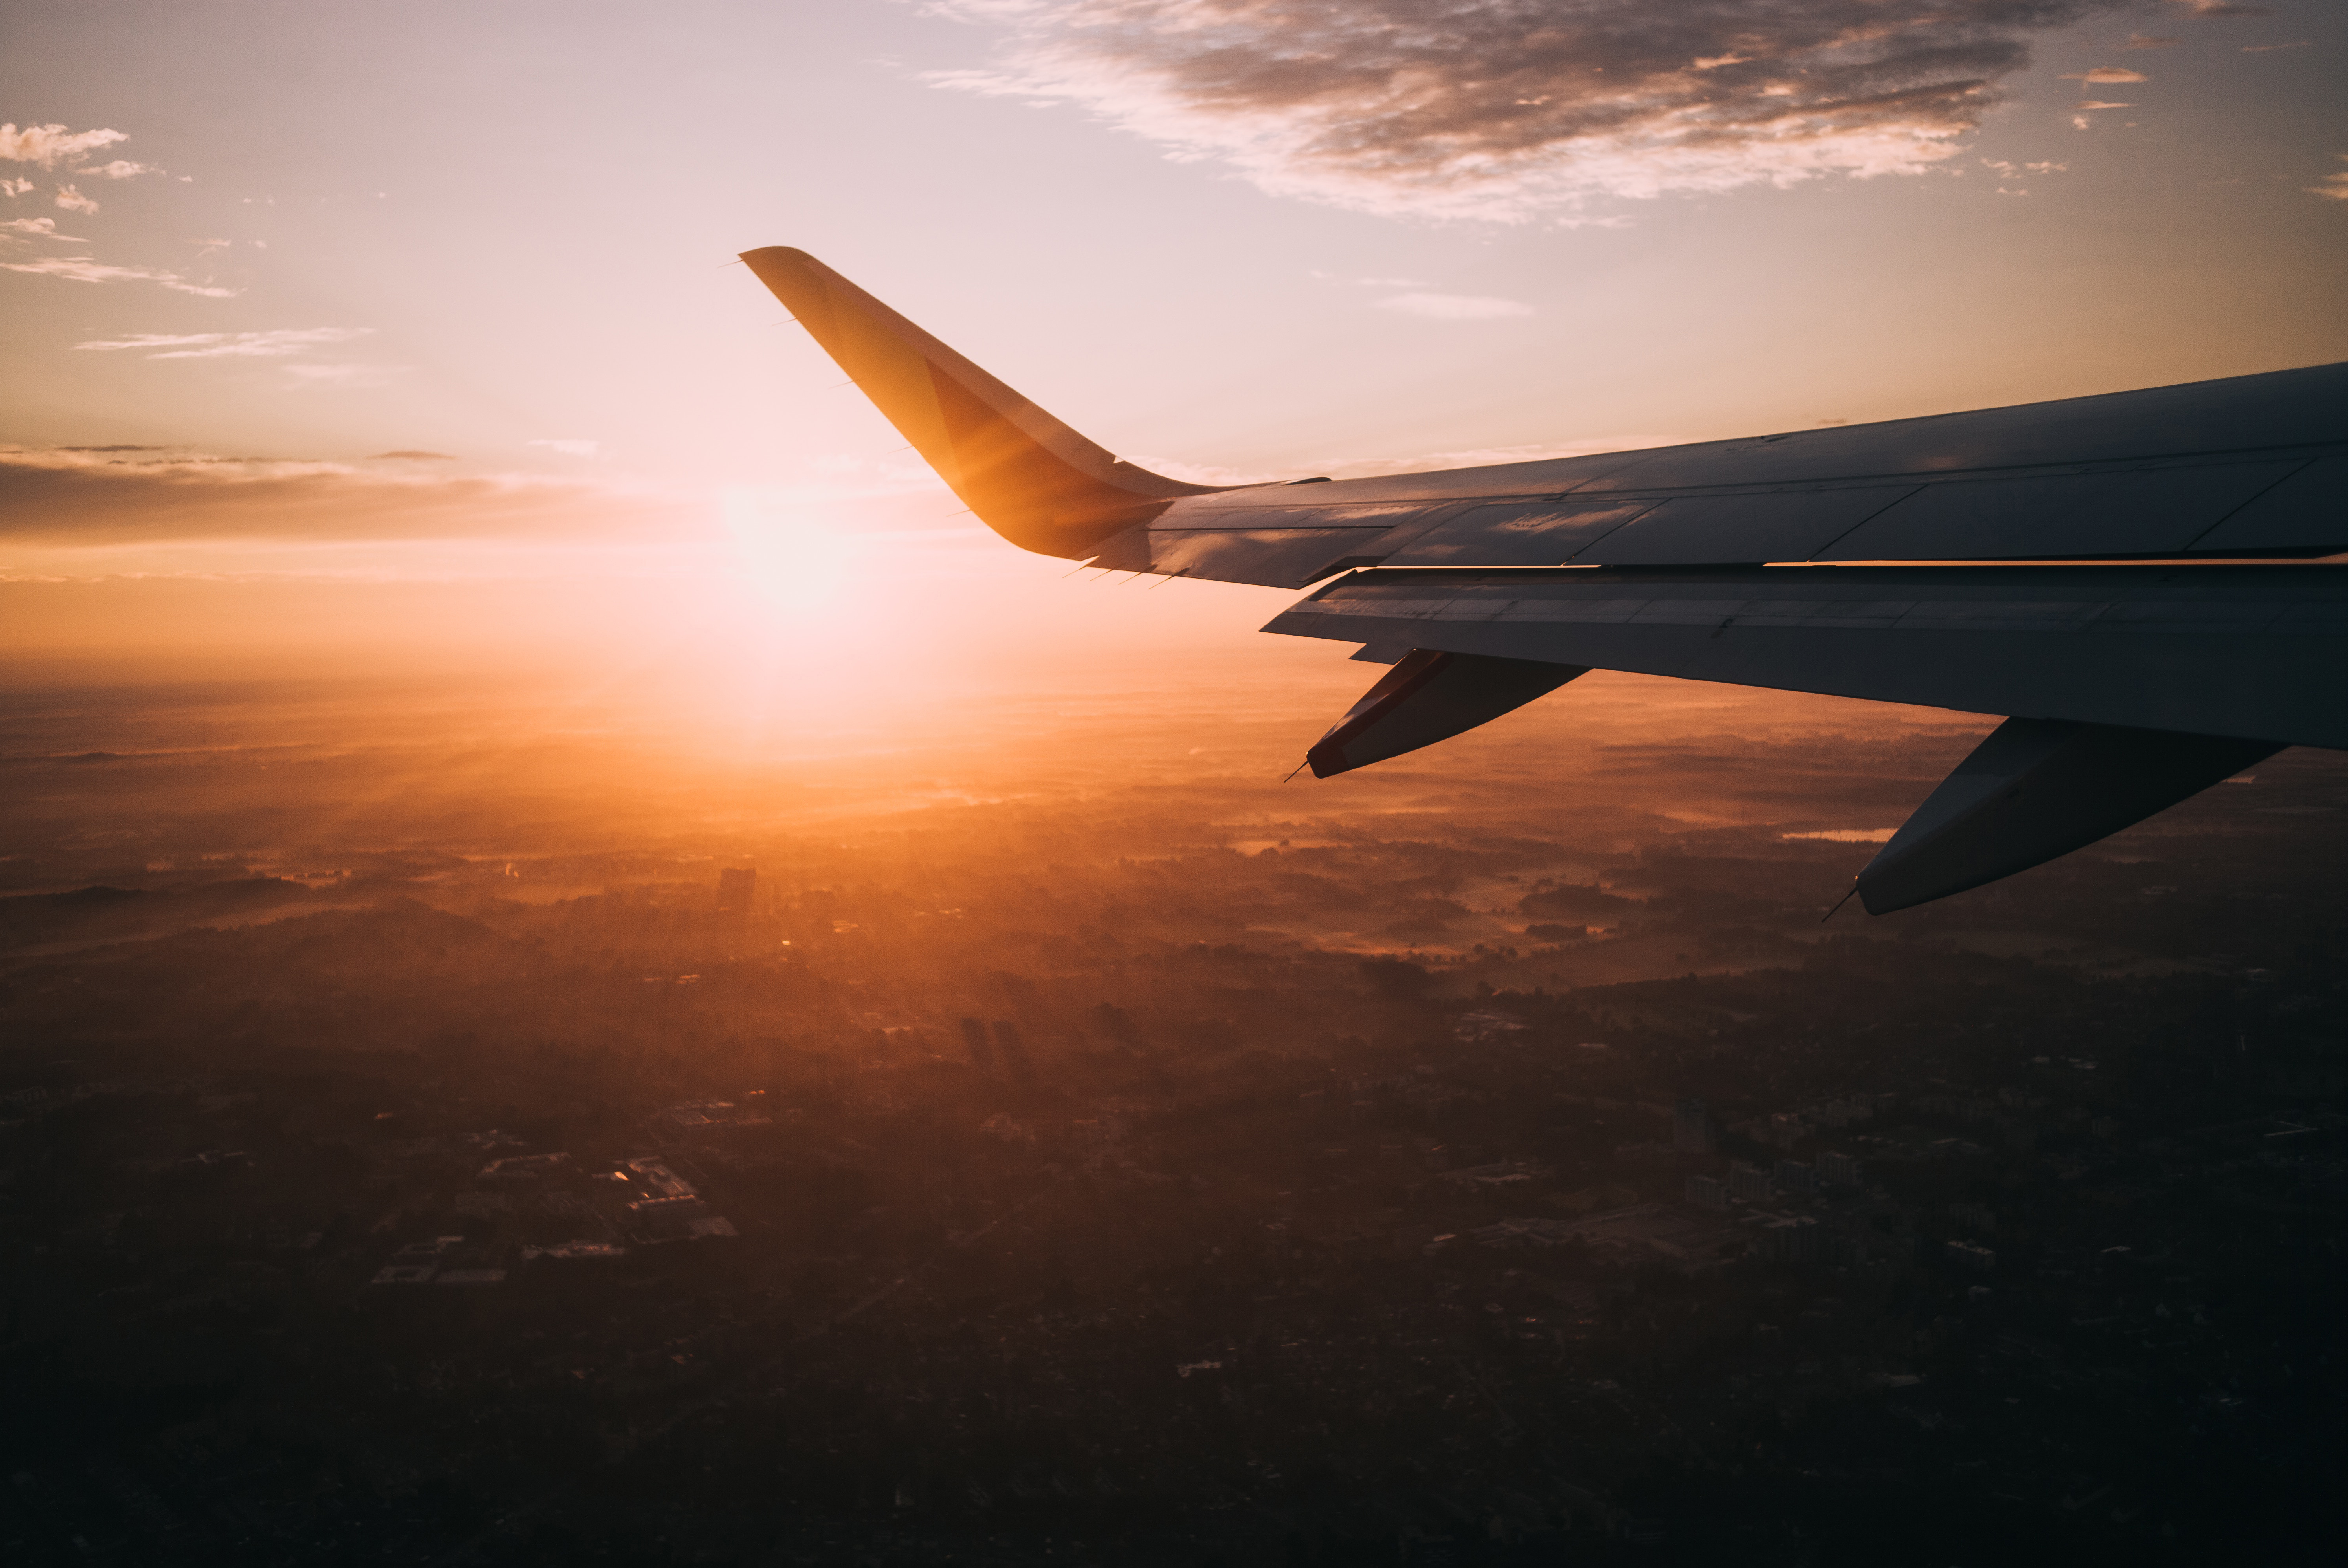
x=789 y=554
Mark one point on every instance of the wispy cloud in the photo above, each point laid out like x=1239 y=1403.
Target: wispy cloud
x=117 y=494
x=2331 y=187
x=120 y=168
x=335 y=375
x=1368 y=282
x=1456 y=307
x=2099 y=104
x=2005 y=168
x=73 y=201
x=15 y=187
x=2107 y=74
x=37 y=229
x=278 y=344
x=51 y=145
x=86 y=270
x=2223 y=8
x=572 y=446
x=413 y=456
x=1513 y=110
x=2271 y=49
x=2138 y=41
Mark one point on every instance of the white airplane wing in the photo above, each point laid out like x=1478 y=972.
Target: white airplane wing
x=2137 y=580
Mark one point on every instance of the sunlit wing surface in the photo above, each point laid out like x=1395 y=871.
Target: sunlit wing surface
x=2190 y=628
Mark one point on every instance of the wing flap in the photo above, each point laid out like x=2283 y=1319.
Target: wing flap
x=2240 y=653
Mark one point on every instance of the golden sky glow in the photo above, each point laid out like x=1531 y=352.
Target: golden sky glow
x=412 y=333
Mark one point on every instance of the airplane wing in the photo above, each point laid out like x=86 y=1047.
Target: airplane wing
x=2137 y=579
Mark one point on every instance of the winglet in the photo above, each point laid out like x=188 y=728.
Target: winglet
x=1025 y=475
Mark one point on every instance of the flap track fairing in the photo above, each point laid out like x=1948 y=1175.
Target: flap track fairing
x=2038 y=788
x=1429 y=697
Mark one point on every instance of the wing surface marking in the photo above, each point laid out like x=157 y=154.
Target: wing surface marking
x=1543 y=533
x=2308 y=511
x=2140 y=511
x=1776 y=526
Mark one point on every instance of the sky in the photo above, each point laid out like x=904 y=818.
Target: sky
x=411 y=334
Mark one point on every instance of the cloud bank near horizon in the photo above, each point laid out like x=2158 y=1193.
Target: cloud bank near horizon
x=123 y=494
x=1520 y=110
x=74 y=498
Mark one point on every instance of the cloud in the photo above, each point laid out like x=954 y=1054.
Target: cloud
x=112 y=495
x=2271 y=49
x=37 y=229
x=1368 y=282
x=51 y=145
x=15 y=187
x=85 y=269
x=1454 y=307
x=2099 y=104
x=2107 y=74
x=2331 y=187
x=73 y=201
x=2223 y=8
x=1514 y=110
x=572 y=446
x=274 y=345
x=413 y=456
x=120 y=168
x=2138 y=41
x=343 y=375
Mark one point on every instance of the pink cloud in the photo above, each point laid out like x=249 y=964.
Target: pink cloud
x=51 y=145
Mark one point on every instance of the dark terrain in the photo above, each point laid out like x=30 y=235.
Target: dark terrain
x=404 y=1158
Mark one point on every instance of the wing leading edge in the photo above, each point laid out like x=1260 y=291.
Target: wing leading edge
x=1853 y=561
